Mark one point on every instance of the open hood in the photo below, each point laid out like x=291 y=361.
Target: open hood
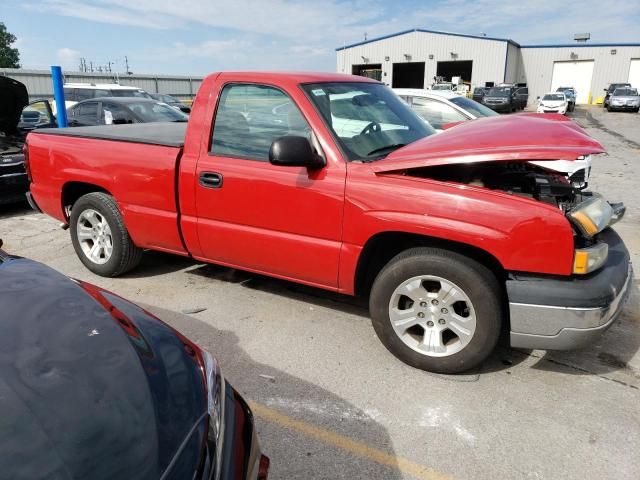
x=13 y=98
x=511 y=138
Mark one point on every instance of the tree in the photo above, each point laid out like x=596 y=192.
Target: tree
x=9 y=57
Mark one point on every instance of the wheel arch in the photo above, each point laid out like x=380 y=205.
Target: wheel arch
x=383 y=246
x=73 y=190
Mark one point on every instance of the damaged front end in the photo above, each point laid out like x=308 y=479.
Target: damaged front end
x=588 y=212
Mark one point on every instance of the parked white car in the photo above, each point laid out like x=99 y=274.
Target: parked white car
x=76 y=92
x=553 y=102
x=440 y=107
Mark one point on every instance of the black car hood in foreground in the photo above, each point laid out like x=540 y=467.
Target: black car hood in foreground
x=92 y=386
x=13 y=98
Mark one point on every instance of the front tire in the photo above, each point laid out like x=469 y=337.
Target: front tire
x=437 y=310
x=100 y=237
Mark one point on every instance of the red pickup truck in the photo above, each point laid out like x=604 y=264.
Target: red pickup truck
x=332 y=181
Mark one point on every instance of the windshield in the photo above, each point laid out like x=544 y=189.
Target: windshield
x=565 y=89
x=151 y=112
x=442 y=86
x=554 y=97
x=368 y=120
x=613 y=86
x=499 y=92
x=474 y=108
x=626 y=92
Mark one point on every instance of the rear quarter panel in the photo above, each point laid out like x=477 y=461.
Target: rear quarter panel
x=140 y=177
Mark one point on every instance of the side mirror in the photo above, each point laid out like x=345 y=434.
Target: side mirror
x=119 y=121
x=291 y=151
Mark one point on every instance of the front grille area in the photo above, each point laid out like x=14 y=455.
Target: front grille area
x=12 y=169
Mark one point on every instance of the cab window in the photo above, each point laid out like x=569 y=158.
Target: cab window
x=249 y=118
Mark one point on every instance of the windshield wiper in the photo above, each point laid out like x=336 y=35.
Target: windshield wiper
x=392 y=147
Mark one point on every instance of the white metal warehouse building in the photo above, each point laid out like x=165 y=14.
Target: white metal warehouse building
x=413 y=58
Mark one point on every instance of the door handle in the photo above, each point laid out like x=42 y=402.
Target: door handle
x=211 y=180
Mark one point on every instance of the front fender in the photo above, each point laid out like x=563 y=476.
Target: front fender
x=522 y=234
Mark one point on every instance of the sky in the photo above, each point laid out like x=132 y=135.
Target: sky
x=196 y=37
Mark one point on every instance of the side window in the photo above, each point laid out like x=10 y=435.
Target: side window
x=435 y=112
x=250 y=117
x=101 y=93
x=83 y=94
x=87 y=112
x=114 y=114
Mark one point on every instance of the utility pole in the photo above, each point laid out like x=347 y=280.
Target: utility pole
x=126 y=62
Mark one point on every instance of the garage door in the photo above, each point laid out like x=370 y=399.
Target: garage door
x=573 y=74
x=634 y=73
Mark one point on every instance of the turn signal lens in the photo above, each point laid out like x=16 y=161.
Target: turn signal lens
x=586 y=223
x=587 y=260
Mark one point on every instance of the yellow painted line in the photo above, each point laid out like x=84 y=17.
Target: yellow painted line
x=356 y=448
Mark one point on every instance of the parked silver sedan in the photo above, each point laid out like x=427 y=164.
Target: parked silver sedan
x=624 y=98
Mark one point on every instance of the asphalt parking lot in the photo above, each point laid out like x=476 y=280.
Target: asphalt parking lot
x=332 y=403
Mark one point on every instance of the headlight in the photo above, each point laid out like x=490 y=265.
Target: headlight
x=587 y=260
x=592 y=216
x=215 y=405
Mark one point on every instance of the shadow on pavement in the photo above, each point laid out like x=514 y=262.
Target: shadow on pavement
x=503 y=357
x=158 y=263
x=293 y=455
x=612 y=354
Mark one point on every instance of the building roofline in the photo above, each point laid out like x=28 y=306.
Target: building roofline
x=582 y=45
x=423 y=30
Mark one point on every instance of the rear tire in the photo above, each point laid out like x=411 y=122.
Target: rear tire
x=100 y=237
x=437 y=310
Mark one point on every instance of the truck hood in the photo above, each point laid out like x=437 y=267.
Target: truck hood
x=13 y=98
x=522 y=137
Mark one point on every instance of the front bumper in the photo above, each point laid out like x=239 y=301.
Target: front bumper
x=565 y=314
x=499 y=107
x=559 y=110
x=613 y=106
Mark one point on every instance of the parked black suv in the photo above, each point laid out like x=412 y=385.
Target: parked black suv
x=479 y=93
x=610 y=90
x=506 y=98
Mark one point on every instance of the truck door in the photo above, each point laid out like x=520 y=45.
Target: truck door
x=282 y=221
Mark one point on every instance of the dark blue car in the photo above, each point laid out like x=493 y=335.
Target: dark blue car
x=94 y=387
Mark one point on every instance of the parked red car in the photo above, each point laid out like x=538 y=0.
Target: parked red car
x=332 y=181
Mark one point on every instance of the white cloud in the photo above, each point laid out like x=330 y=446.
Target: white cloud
x=302 y=34
x=327 y=19
x=538 y=21
x=68 y=58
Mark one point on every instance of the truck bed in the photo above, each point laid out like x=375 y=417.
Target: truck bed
x=164 y=134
